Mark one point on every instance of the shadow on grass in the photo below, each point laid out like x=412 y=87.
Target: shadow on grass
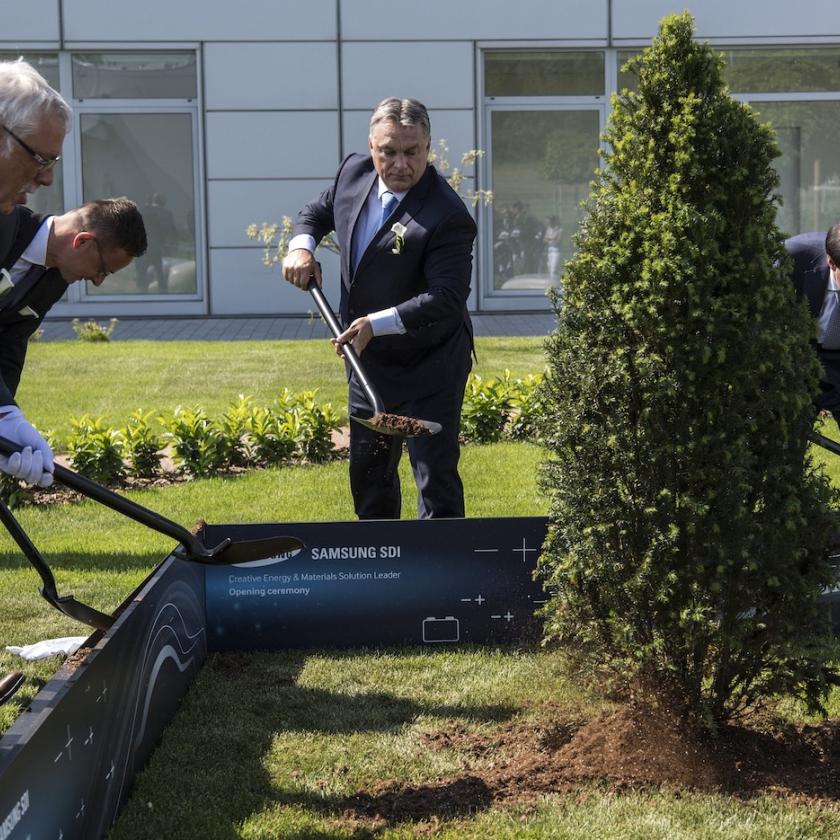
x=216 y=757
x=78 y=561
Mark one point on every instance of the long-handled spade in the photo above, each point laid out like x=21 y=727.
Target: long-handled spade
x=190 y=546
x=381 y=421
x=63 y=603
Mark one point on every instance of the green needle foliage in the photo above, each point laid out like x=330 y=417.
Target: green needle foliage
x=688 y=525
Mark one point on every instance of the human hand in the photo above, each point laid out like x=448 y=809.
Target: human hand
x=34 y=463
x=357 y=335
x=299 y=265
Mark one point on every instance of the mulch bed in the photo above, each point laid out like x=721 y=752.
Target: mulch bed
x=627 y=748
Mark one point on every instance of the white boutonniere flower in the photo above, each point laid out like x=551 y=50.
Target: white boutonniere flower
x=399 y=237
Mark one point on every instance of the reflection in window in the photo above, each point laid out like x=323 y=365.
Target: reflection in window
x=542 y=163
x=543 y=73
x=134 y=75
x=783 y=70
x=149 y=158
x=809 y=166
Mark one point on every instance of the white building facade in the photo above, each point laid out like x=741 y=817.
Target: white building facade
x=214 y=116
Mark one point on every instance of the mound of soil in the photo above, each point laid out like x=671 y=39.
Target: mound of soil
x=630 y=747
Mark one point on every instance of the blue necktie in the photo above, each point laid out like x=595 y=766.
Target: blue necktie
x=389 y=204
x=831 y=335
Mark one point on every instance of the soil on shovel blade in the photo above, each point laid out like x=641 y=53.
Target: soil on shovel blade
x=628 y=748
x=407 y=426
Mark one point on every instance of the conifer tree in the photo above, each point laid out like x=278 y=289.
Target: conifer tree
x=688 y=526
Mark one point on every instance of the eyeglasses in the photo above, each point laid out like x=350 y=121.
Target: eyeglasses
x=44 y=163
x=103 y=269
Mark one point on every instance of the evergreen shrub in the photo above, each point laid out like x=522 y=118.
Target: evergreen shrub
x=688 y=526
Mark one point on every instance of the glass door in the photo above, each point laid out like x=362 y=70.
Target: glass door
x=539 y=165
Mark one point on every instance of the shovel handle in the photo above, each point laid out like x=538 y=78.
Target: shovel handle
x=349 y=353
x=132 y=510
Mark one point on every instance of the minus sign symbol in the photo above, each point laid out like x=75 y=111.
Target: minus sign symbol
x=486 y=550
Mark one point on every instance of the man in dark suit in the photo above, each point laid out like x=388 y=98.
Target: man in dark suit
x=406 y=242
x=34 y=120
x=46 y=255
x=816 y=276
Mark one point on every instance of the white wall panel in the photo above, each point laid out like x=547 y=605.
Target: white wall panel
x=34 y=20
x=277 y=75
x=439 y=74
x=723 y=18
x=483 y=20
x=242 y=285
x=233 y=205
x=272 y=145
x=194 y=20
x=456 y=127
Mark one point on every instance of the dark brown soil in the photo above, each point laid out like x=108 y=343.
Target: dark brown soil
x=616 y=750
x=407 y=426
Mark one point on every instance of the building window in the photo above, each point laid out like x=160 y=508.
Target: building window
x=544 y=111
x=135 y=133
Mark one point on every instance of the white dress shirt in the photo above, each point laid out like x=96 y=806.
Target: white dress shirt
x=385 y=321
x=35 y=252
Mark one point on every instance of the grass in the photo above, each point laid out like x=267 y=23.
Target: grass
x=267 y=745
x=114 y=378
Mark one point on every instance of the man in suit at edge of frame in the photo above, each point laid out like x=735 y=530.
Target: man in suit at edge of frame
x=816 y=277
x=406 y=241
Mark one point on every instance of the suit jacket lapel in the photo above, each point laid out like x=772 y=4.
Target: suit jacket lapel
x=24 y=286
x=358 y=203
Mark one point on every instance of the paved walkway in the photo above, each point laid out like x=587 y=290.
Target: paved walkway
x=270 y=329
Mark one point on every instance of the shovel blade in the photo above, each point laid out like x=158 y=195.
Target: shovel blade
x=423 y=428
x=72 y=608
x=249 y=551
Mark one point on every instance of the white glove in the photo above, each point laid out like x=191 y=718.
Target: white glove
x=34 y=463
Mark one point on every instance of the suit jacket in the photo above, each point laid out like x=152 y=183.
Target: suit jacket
x=810 y=268
x=428 y=281
x=21 y=315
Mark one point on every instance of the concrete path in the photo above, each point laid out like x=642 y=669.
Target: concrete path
x=271 y=329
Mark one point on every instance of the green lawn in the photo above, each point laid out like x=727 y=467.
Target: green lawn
x=271 y=745
x=66 y=379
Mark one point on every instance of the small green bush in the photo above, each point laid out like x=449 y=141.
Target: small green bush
x=528 y=408
x=272 y=436
x=312 y=426
x=96 y=450
x=486 y=408
x=94 y=331
x=142 y=445
x=200 y=446
x=234 y=425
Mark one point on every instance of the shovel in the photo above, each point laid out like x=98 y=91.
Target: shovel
x=66 y=604
x=191 y=547
x=382 y=422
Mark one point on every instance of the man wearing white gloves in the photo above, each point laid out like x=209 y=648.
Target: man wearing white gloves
x=34 y=120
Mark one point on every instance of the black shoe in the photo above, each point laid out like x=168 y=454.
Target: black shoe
x=9 y=685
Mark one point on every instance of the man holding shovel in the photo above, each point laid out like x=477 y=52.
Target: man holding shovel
x=406 y=241
x=34 y=120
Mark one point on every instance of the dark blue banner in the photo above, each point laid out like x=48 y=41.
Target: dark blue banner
x=432 y=582
x=68 y=763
